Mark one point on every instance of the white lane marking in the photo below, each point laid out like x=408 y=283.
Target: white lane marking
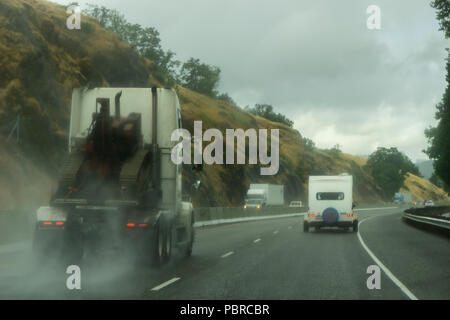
x=275 y=232
x=234 y=220
x=227 y=254
x=290 y=227
x=257 y=240
x=382 y=208
x=165 y=284
x=394 y=279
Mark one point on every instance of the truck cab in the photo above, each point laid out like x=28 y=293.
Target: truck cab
x=256 y=198
x=330 y=203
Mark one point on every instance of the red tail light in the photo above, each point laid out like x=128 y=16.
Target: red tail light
x=143 y=225
x=59 y=223
x=47 y=223
x=131 y=225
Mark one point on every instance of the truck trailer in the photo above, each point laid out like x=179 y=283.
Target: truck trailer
x=261 y=195
x=118 y=181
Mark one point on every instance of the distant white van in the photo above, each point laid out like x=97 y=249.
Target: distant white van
x=330 y=203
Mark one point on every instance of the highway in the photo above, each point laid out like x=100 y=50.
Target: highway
x=266 y=259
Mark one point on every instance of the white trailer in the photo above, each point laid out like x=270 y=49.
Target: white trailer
x=274 y=193
x=330 y=203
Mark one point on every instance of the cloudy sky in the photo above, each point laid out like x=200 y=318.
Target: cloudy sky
x=315 y=61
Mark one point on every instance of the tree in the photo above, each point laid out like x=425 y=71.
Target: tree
x=226 y=97
x=146 y=41
x=200 y=77
x=438 y=137
x=309 y=144
x=434 y=179
x=388 y=167
x=266 y=111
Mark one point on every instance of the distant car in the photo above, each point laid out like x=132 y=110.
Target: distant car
x=429 y=203
x=297 y=204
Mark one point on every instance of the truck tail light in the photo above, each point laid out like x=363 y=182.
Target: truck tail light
x=143 y=225
x=348 y=214
x=131 y=224
x=313 y=215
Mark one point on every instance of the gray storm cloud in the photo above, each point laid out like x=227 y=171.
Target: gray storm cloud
x=316 y=62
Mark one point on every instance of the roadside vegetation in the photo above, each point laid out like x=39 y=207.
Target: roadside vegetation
x=388 y=167
x=439 y=136
x=43 y=61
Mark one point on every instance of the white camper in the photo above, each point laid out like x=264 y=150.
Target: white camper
x=330 y=203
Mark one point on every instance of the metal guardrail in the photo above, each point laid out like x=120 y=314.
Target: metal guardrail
x=441 y=223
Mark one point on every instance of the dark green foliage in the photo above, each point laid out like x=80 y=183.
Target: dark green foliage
x=226 y=97
x=266 y=111
x=309 y=144
x=439 y=136
x=443 y=15
x=146 y=41
x=434 y=179
x=200 y=77
x=388 y=167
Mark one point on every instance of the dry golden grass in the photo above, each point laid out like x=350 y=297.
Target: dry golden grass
x=36 y=47
x=422 y=189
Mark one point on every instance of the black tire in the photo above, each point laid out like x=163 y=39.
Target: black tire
x=72 y=246
x=162 y=247
x=305 y=226
x=190 y=245
x=46 y=247
x=168 y=244
x=158 y=246
x=355 y=226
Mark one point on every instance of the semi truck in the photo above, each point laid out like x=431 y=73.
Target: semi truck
x=330 y=203
x=261 y=195
x=118 y=182
x=402 y=198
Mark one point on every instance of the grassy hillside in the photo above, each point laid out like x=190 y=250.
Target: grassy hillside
x=422 y=189
x=41 y=61
x=296 y=163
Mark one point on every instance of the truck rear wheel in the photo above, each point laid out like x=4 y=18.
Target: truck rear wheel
x=305 y=226
x=46 y=246
x=190 y=245
x=355 y=226
x=162 y=249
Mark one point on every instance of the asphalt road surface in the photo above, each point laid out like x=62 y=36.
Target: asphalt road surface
x=267 y=259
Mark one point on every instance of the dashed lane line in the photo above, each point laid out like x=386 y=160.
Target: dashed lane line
x=165 y=284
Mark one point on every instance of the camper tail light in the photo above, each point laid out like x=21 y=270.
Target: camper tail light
x=47 y=224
